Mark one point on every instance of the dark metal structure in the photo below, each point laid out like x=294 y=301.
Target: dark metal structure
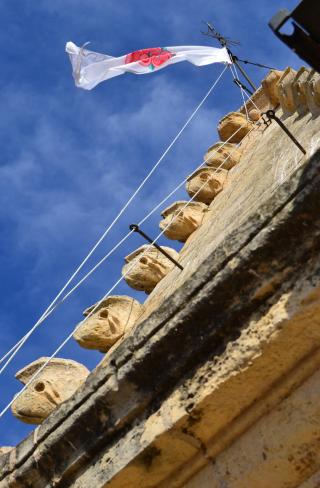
x=305 y=38
x=137 y=229
x=226 y=42
x=271 y=115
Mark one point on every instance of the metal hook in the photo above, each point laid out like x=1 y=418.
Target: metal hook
x=272 y=116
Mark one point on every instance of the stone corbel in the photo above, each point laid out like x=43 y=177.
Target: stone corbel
x=234 y=127
x=254 y=114
x=147 y=269
x=299 y=87
x=285 y=90
x=270 y=87
x=313 y=92
x=206 y=183
x=112 y=318
x=55 y=383
x=181 y=219
x=222 y=155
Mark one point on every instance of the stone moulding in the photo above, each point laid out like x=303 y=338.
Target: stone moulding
x=222 y=155
x=313 y=92
x=205 y=193
x=234 y=127
x=55 y=384
x=285 y=89
x=181 y=219
x=149 y=269
x=115 y=316
x=130 y=427
x=299 y=88
x=270 y=87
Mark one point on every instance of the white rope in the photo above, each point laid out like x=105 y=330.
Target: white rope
x=154 y=210
x=90 y=272
x=18 y=346
x=235 y=77
x=12 y=349
x=250 y=99
x=110 y=291
x=270 y=192
x=106 y=295
x=109 y=254
x=20 y=343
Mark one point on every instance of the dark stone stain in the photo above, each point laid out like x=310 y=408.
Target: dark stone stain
x=149 y=455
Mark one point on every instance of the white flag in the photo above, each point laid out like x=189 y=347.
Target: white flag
x=90 y=68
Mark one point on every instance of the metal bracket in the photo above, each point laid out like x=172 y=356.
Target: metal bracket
x=236 y=62
x=272 y=116
x=267 y=122
x=137 y=229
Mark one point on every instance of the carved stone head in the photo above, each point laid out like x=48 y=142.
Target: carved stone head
x=299 y=88
x=206 y=183
x=285 y=91
x=180 y=221
x=149 y=268
x=234 y=127
x=222 y=155
x=313 y=92
x=270 y=86
x=55 y=384
x=112 y=318
x=254 y=115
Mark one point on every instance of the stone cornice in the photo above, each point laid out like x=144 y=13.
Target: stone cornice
x=191 y=326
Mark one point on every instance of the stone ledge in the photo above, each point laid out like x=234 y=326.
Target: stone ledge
x=113 y=396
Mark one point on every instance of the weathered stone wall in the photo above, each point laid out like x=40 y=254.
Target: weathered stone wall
x=281 y=449
x=217 y=384
x=269 y=157
x=275 y=353
x=244 y=414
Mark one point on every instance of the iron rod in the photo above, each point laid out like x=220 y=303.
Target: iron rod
x=136 y=228
x=235 y=60
x=272 y=115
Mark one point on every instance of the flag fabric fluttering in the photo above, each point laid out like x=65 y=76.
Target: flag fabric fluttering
x=90 y=68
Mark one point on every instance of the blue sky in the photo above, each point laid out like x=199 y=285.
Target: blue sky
x=71 y=158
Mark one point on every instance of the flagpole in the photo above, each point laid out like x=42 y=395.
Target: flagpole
x=224 y=43
x=270 y=114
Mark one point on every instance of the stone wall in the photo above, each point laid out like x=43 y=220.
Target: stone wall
x=217 y=382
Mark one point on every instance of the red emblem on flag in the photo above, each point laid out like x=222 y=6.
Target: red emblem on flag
x=152 y=57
